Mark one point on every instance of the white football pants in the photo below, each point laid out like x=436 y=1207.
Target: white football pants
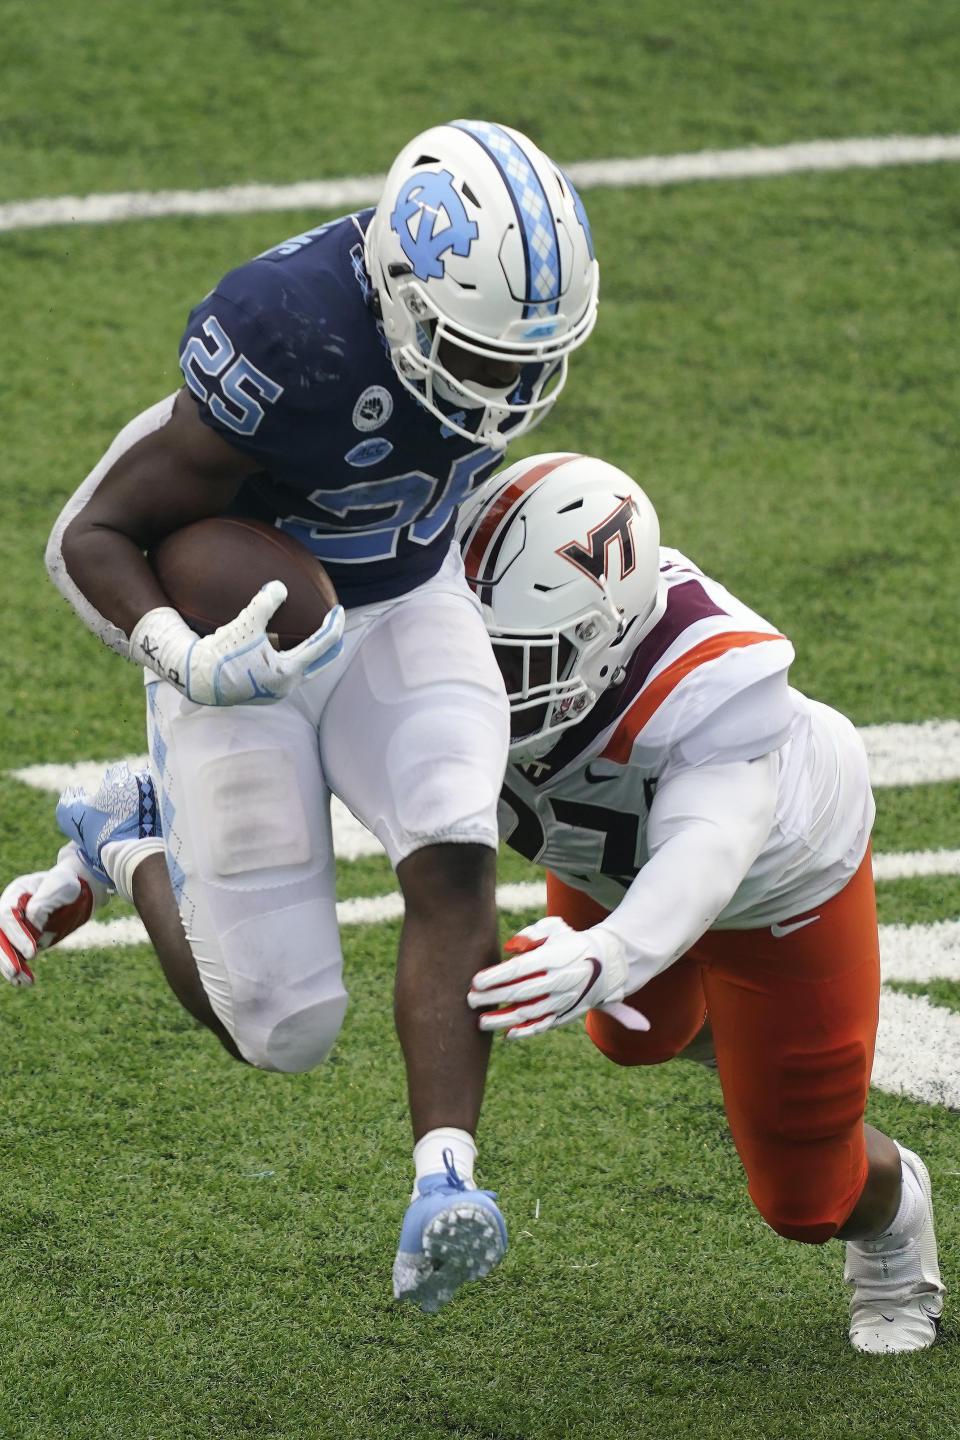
x=409 y=727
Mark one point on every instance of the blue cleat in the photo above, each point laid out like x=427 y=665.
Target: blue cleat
x=451 y=1235
x=124 y=808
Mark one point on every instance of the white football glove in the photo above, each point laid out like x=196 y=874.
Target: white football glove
x=38 y=910
x=236 y=665
x=557 y=975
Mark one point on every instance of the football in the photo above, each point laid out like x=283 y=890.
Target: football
x=211 y=569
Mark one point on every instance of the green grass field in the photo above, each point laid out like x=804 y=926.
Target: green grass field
x=190 y=1249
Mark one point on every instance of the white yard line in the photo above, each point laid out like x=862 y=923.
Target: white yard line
x=926 y=753
x=908 y=952
x=906 y=864
x=923 y=754
x=921 y=952
x=918 y=1043
x=918 y=1050
x=750 y=162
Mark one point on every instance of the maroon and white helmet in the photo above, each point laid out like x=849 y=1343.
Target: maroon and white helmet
x=563 y=553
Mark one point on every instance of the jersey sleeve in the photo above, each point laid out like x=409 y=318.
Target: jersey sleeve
x=725 y=698
x=750 y=722
x=258 y=357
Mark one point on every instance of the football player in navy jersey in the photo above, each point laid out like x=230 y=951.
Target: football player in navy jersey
x=706 y=834
x=351 y=386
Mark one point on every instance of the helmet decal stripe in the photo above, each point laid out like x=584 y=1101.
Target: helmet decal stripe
x=580 y=212
x=497 y=511
x=538 y=230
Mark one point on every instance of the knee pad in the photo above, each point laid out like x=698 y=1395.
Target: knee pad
x=633 y=1047
x=815 y=1164
x=305 y=1036
x=275 y=980
x=289 y=1031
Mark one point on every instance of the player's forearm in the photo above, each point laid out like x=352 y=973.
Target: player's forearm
x=94 y=581
x=164 y=470
x=673 y=901
x=108 y=570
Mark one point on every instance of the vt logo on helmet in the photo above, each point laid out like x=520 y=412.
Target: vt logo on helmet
x=480 y=258
x=593 y=561
x=427 y=198
x=539 y=548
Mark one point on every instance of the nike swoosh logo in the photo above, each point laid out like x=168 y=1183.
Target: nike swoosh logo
x=594 y=977
x=596 y=779
x=889 y=1318
x=778 y=931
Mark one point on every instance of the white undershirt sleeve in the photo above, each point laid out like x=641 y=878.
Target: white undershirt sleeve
x=707 y=826
x=103 y=628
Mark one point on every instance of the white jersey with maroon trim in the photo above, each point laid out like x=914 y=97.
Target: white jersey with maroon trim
x=707 y=685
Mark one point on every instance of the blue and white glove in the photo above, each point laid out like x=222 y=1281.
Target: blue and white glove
x=236 y=665
x=556 y=975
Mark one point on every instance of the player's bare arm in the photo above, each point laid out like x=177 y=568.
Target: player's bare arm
x=181 y=472
x=174 y=474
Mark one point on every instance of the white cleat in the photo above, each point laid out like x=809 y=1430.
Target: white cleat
x=897 y=1294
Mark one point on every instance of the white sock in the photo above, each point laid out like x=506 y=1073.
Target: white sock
x=428 y=1154
x=913 y=1203
x=120 y=859
x=909 y=1213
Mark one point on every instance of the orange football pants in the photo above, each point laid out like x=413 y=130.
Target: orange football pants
x=794 y=1020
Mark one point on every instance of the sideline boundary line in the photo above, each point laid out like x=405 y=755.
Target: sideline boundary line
x=749 y=162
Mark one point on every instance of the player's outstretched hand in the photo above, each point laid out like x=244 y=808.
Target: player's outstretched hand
x=555 y=975
x=35 y=912
x=237 y=664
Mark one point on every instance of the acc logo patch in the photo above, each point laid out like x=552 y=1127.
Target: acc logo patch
x=373 y=409
x=428 y=201
x=369 y=452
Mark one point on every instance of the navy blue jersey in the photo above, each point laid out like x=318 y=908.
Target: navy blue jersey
x=288 y=362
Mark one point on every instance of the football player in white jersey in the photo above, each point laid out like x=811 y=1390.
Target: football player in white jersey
x=350 y=386
x=705 y=830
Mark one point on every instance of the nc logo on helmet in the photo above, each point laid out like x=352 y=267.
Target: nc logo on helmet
x=425 y=199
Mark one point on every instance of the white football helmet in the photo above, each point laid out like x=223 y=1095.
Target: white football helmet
x=563 y=552
x=480 y=242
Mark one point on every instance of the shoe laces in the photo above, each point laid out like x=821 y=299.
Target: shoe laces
x=453 y=1179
